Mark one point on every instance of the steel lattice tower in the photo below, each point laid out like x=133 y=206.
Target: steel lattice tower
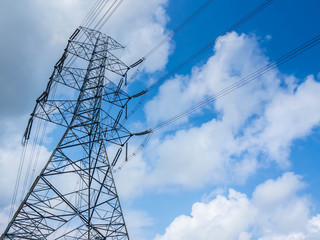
x=75 y=197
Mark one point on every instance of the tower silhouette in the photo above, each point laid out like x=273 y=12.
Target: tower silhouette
x=74 y=196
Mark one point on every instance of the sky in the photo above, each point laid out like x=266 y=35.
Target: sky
x=243 y=167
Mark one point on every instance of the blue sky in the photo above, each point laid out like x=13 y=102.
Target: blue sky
x=244 y=167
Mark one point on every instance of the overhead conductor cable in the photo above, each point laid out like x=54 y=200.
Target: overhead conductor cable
x=197 y=54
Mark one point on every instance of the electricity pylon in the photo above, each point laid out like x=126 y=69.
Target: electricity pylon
x=75 y=196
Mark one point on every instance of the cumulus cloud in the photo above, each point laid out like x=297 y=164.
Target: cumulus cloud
x=276 y=210
x=291 y=115
x=246 y=129
x=234 y=58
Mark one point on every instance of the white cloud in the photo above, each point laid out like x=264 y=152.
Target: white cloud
x=267 y=215
x=131 y=181
x=234 y=58
x=137 y=222
x=4 y=218
x=246 y=130
x=291 y=115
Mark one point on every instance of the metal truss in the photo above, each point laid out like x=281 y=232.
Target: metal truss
x=75 y=196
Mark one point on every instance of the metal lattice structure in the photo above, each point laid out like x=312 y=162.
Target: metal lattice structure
x=75 y=197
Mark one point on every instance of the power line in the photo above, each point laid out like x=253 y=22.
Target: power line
x=36 y=148
x=179 y=28
x=17 y=183
x=90 y=13
x=283 y=59
x=134 y=153
x=212 y=42
x=197 y=54
x=272 y=65
x=110 y=15
x=99 y=7
x=168 y=37
x=97 y=12
x=105 y=14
